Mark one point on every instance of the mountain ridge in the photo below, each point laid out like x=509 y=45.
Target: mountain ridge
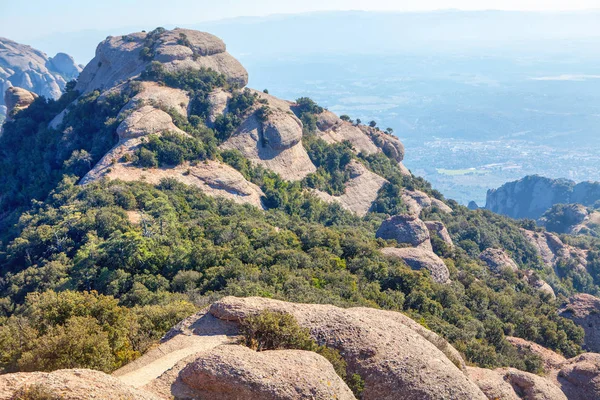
x=174 y=188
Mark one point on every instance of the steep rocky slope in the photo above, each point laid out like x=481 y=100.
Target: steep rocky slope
x=532 y=196
x=25 y=67
x=273 y=141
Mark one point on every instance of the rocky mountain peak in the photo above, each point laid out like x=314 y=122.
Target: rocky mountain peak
x=119 y=58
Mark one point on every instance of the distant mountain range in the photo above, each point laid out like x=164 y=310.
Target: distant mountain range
x=532 y=196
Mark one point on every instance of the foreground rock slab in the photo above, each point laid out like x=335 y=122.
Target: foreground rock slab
x=70 y=384
x=395 y=360
x=237 y=372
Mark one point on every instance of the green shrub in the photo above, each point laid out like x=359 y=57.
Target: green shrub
x=274 y=331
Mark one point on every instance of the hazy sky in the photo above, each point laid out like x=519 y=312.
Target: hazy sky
x=34 y=18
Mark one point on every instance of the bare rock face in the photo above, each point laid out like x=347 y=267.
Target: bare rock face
x=218 y=100
x=334 y=130
x=512 y=384
x=212 y=177
x=492 y=384
x=71 y=384
x=551 y=359
x=361 y=190
x=580 y=377
x=419 y=258
x=552 y=250
x=65 y=65
x=438 y=229
x=237 y=372
x=529 y=197
x=292 y=162
x=584 y=310
x=498 y=260
x=532 y=196
x=405 y=229
x=389 y=144
x=416 y=201
x=17 y=99
x=395 y=361
x=282 y=131
x=146 y=121
x=119 y=58
x=31 y=69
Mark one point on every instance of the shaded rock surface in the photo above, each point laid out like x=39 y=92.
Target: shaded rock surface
x=237 y=372
x=579 y=377
x=584 y=310
x=498 y=259
x=405 y=229
x=538 y=283
x=419 y=258
x=512 y=384
x=416 y=201
x=72 y=384
x=361 y=190
x=438 y=229
x=551 y=359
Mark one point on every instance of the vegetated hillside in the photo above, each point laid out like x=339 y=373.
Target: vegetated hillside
x=25 y=67
x=532 y=196
x=158 y=182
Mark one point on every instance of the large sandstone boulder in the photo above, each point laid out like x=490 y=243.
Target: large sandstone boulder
x=70 y=384
x=219 y=101
x=291 y=162
x=334 y=130
x=389 y=144
x=17 y=99
x=282 y=131
x=237 y=372
x=538 y=283
x=416 y=201
x=405 y=229
x=438 y=229
x=419 y=258
x=512 y=384
x=580 y=377
x=361 y=190
x=146 y=121
x=119 y=58
x=498 y=260
x=584 y=310
x=395 y=361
